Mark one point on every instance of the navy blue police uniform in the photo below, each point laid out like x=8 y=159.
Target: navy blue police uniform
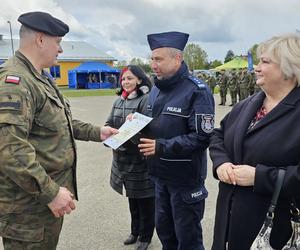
x=182 y=108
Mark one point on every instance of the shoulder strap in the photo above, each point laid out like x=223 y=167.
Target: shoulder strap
x=279 y=182
x=197 y=81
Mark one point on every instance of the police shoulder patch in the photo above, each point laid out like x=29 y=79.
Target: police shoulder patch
x=205 y=123
x=197 y=81
x=13 y=79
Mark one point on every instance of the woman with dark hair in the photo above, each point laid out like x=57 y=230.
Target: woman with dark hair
x=128 y=166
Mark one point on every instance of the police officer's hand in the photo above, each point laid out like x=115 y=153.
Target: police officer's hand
x=63 y=203
x=106 y=132
x=147 y=147
x=226 y=174
x=244 y=175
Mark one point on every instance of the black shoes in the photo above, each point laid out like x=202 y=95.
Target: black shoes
x=142 y=245
x=131 y=240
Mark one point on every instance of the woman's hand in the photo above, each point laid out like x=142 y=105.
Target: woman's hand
x=226 y=174
x=244 y=175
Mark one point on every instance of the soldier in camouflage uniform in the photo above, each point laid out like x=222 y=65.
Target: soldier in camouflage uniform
x=37 y=131
x=212 y=82
x=243 y=84
x=223 y=86
x=232 y=85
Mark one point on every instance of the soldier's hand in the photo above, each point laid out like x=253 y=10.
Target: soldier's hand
x=106 y=132
x=147 y=147
x=63 y=203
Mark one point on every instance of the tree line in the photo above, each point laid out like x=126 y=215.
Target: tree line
x=194 y=56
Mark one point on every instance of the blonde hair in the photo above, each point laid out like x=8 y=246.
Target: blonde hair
x=285 y=51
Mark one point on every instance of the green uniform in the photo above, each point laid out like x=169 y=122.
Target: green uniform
x=243 y=84
x=223 y=87
x=233 y=87
x=212 y=82
x=37 y=152
x=252 y=83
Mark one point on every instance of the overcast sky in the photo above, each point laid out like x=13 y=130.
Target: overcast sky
x=120 y=27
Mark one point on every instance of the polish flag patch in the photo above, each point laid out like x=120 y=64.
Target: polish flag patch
x=13 y=79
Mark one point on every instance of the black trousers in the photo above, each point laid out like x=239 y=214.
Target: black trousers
x=142 y=217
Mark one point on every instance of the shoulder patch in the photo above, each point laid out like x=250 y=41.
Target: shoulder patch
x=13 y=79
x=197 y=81
x=11 y=102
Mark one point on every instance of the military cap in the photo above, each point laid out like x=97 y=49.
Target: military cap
x=44 y=22
x=171 y=39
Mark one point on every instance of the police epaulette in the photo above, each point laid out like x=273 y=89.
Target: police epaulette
x=197 y=81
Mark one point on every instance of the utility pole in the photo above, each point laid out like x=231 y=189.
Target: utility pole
x=11 y=39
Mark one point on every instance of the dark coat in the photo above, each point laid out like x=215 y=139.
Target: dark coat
x=183 y=112
x=274 y=142
x=128 y=166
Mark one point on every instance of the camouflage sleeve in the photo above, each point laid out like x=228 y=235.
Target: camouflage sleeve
x=18 y=161
x=86 y=131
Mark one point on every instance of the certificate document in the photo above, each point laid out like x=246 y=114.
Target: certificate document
x=128 y=130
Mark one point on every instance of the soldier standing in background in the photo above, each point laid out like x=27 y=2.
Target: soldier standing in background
x=223 y=86
x=212 y=82
x=244 y=82
x=252 y=82
x=37 y=150
x=232 y=85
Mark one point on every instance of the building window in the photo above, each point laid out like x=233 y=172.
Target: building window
x=55 y=71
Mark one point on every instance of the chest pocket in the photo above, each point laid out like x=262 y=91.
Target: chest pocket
x=52 y=115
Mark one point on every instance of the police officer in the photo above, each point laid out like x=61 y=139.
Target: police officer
x=182 y=108
x=37 y=149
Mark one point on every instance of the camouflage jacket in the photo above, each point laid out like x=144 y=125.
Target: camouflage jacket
x=37 y=133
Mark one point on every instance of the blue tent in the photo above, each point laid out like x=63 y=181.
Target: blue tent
x=93 y=75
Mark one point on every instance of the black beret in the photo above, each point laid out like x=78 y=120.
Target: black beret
x=171 y=39
x=44 y=22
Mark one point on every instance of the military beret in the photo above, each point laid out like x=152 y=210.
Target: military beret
x=44 y=22
x=171 y=39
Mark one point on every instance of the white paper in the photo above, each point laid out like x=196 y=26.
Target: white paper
x=128 y=130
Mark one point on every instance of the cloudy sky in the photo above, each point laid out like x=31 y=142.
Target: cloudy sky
x=120 y=27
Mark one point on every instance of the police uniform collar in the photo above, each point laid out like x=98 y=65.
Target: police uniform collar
x=168 y=84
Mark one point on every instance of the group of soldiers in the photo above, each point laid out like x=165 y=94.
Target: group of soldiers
x=240 y=82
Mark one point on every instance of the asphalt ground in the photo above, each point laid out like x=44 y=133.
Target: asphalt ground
x=101 y=220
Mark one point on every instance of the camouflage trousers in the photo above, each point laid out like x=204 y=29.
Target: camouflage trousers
x=38 y=231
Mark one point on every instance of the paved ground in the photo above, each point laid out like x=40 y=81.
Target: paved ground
x=101 y=220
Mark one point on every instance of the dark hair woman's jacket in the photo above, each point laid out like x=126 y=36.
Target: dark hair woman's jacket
x=128 y=165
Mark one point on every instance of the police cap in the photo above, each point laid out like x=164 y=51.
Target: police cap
x=171 y=39
x=44 y=22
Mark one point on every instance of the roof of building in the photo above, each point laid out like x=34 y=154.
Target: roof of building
x=72 y=51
